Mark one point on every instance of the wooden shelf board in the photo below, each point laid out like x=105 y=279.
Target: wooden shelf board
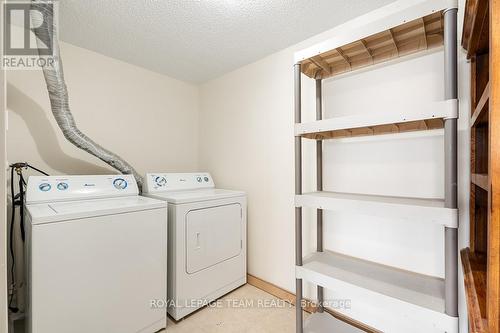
x=392 y=119
x=411 y=37
x=474 y=267
x=411 y=126
x=333 y=270
x=413 y=209
x=482 y=105
x=481 y=180
x=475 y=35
x=326 y=323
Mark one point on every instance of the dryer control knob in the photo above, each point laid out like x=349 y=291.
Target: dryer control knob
x=120 y=183
x=62 y=186
x=160 y=181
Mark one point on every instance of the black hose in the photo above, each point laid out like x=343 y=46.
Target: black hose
x=21 y=204
x=11 y=235
x=17 y=200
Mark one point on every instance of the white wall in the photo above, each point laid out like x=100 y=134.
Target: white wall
x=410 y=165
x=149 y=119
x=246 y=141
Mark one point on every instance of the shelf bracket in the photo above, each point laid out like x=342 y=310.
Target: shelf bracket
x=451 y=106
x=452 y=221
x=321 y=63
x=342 y=54
x=367 y=49
x=425 y=32
x=394 y=41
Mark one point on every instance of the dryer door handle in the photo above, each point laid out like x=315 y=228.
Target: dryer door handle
x=198 y=240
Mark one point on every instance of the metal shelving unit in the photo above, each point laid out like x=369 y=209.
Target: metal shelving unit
x=391 y=32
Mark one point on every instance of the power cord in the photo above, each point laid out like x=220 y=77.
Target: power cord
x=17 y=200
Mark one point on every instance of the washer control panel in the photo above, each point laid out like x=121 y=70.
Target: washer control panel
x=62 y=188
x=159 y=182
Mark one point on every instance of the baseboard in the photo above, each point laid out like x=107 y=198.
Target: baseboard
x=310 y=306
x=278 y=292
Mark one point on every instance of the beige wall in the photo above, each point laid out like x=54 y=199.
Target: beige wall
x=3 y=220
x=246 y=142
x=149 y=119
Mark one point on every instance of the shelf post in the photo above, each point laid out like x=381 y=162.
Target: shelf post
x=319 y=185
x=298 y=190
x=450 y=143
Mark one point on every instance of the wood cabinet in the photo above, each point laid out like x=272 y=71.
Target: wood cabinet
x=481 y=262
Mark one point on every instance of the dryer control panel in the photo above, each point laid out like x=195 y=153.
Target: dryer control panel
x=65 y=188
x=160 y=182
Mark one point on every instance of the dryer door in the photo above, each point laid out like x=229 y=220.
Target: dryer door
x=213 y=235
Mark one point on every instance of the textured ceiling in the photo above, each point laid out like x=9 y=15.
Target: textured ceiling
x=197 y=40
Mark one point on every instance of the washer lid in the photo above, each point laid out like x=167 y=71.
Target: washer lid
x=180 y=197
x=70 y=210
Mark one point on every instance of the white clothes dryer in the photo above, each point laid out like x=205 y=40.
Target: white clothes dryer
x=206 y=238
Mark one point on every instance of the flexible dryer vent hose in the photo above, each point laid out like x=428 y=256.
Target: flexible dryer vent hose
x=58 y=95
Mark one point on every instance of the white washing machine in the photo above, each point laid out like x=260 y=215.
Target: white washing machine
x=206 y=238
x=96 y=255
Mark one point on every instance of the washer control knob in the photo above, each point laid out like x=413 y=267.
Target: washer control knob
x=198 y=179
x=120 y=183
x=44 y=187
x=62 y=186
x=160 y=181
x=206 y=179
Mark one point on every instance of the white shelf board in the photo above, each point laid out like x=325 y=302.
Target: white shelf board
x=326 y=323
x=410 y=113
x=412 y=209
x=334 y=271
x=384 y=18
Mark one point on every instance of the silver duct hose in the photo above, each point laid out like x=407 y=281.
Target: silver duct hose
x=58 y=94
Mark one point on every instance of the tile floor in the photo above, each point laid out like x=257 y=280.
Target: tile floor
x=263 y=313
